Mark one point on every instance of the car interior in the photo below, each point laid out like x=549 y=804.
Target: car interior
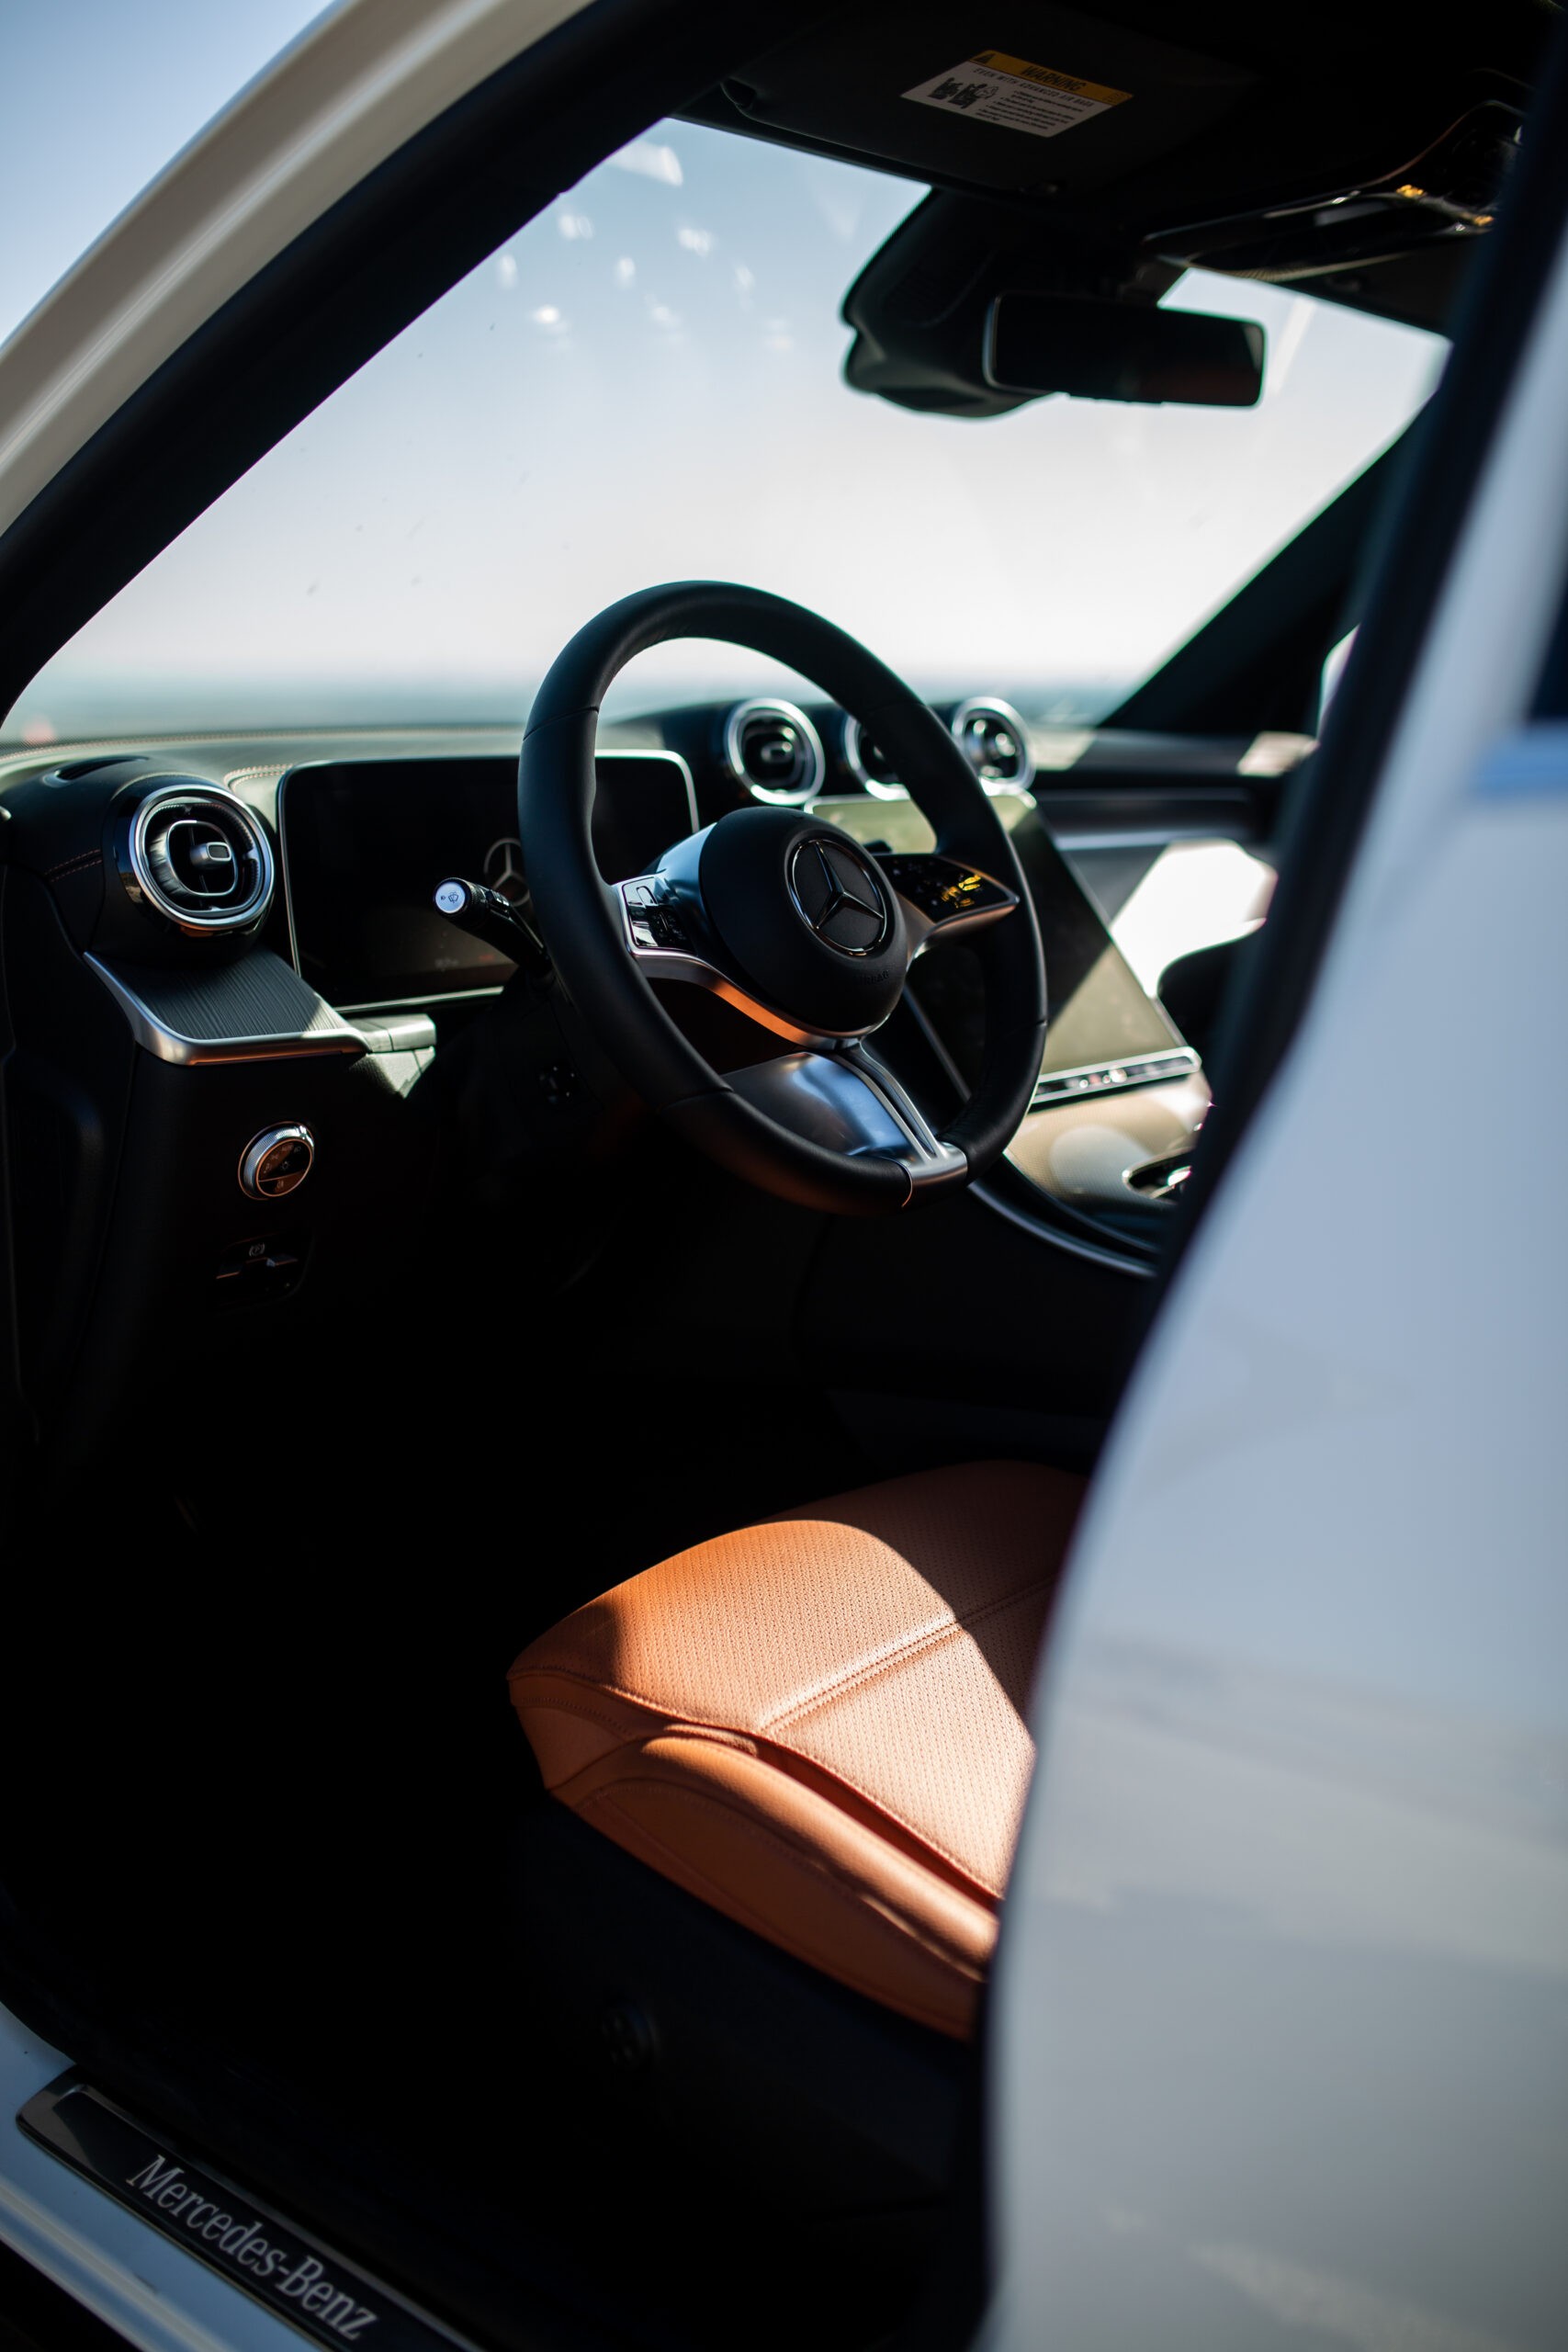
x=566 y=1290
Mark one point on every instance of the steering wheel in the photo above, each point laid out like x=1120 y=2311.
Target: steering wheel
x=789 y=918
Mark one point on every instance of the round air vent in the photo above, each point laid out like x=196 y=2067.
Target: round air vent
x=199 y=857
x=775 y=751
x=995 y=742
x=869 y=764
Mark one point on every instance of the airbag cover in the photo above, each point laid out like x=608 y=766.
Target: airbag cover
x=808 y=915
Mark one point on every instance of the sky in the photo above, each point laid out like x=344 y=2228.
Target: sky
x=643 y=384
x=124 y=88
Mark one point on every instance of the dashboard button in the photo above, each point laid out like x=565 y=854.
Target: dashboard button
x=262 y=1268
x=276 y=1163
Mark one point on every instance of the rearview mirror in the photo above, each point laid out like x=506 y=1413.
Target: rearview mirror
x=1038 y=343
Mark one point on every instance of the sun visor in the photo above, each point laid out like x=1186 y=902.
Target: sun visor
x=1444 y=196
x=1065 y=100
x=1340 y=155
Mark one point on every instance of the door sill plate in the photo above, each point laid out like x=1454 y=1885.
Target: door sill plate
x=282 y=2267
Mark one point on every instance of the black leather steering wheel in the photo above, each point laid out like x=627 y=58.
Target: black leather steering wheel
x=788 y=918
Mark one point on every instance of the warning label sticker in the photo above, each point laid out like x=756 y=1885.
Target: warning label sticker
x=1015 y=96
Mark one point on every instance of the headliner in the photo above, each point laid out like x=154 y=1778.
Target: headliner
x=1247 y=113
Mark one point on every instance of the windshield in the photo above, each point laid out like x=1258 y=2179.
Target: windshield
x=646 y=384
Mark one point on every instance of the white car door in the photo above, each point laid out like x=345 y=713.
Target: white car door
x=1281 y=2034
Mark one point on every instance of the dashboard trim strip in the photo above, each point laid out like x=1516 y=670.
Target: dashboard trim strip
x=325 y=1034
x=1102 y=1078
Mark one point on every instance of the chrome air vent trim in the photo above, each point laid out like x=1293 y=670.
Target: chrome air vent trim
x=995 y=741
x=871 y=774
x=201 y=859
x=792 y=771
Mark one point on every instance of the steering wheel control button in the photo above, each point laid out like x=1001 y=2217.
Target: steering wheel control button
x=276 y=1163
x=943 y=891
x=667 y=930
x=451 y=898
x=654 y=916
x=839 y=896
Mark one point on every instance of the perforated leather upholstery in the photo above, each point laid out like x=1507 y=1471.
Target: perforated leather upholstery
x=817 y=1724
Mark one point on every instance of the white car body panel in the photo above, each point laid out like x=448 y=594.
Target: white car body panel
x=122 y=2270
x=356 y=84
x=1283 y=1985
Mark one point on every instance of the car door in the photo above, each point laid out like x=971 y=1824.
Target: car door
x=1282 y=2014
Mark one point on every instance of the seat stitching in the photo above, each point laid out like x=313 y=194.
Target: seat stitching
x=879 y=1805
x=628 y=1738
x=779 y=1753
x=572 y=1703
x=902 y=1654
x=900 y=1929
x=780 y=1756
x=895 y=1653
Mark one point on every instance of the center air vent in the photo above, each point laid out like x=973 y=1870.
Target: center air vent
x=995 y=742
x=775 y=751
x=869 y=763
x=199 y=857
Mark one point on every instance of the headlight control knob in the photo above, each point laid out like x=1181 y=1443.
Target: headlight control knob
x=276 y=1161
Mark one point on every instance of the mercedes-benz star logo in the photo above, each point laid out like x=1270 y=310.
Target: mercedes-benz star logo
x=838 y=896
x=502 y=867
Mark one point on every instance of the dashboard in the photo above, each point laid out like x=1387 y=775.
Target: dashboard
x=365 y=841
x=236 y=1012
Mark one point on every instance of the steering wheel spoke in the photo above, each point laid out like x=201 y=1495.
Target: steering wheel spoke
x=669 y=937
x=851 y=1103
x=943 y=897
x=931 y=1160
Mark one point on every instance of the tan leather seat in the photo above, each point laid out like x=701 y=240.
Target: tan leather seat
x=817 y=1724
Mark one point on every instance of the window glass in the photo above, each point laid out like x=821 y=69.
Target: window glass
x=646 y=384
x=99 y=96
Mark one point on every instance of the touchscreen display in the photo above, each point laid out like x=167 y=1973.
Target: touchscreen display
x=1099 y=1010
x=366 y=842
